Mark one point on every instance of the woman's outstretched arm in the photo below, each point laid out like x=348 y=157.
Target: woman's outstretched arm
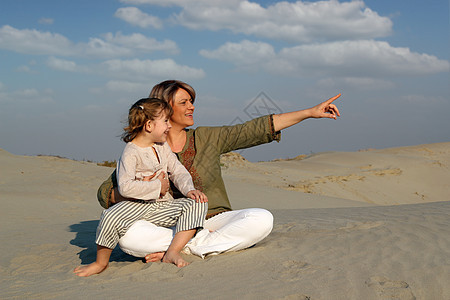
x=323 y=110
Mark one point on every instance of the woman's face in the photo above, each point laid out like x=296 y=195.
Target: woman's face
x=183 y=109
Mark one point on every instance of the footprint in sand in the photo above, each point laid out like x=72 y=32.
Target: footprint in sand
x=157 y=271
x=294 y=270
x=296 y=297
x=362 y=225
x=390 y=289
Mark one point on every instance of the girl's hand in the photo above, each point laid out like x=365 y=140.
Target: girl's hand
x=149 y=178
x=197 y=195
x=164 y=183
x=326 y=109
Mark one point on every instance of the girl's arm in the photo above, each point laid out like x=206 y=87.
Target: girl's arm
x=128 y=186
x=323 y=110
x=177 y=172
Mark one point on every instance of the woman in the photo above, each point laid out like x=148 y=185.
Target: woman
x=199 y=151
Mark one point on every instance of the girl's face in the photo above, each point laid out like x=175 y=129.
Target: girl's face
x=159 y=128
x=183 y=109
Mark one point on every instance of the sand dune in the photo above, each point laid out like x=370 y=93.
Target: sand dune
x=406 y=175
x=373 y=224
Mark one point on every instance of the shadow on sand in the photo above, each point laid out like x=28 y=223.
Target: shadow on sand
x=85 y=238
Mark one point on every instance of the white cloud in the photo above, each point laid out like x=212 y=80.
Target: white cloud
x=423 y=100
x=135 y=16
x=130 y=72
x=24 y=69
x=178 y=2
x=47 y=21
x=365 y=58
x=355 y=83
x=142 y=43
x=27 y=93
x=62 y=64
x=100 y=48
x=290 y=21
x=27 y=96
x=142 y=70
x=126 y=86
x=244 y=53
x=31 y=41
x=92 y=108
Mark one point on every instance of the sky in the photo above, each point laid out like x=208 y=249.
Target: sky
x=70 y=70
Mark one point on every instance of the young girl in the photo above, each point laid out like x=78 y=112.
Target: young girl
x=141 y=174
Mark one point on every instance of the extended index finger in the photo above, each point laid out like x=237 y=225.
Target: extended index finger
x=329 y=101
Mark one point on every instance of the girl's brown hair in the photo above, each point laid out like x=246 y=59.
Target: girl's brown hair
x=140 y=112
x=166 y=90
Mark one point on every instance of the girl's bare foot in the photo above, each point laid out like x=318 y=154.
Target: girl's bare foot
x=174 y=258
x=154 y=257
x=85 y=271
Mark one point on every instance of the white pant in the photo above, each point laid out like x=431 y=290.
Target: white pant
x=231 y=231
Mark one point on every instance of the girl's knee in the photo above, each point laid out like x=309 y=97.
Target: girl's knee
x=204 y=206
x=201 y=209
x=200 y=206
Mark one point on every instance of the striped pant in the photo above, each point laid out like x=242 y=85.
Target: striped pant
x=183 y=213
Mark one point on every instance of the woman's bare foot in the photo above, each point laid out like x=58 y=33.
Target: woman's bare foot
x=174 y=258
x=85 y=271
x=154 y=257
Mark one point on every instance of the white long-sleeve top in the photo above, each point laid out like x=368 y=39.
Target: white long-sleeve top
x=137 y=162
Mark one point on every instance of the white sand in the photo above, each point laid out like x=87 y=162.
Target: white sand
x=362 y=225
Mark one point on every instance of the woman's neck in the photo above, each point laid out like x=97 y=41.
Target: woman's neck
x=176 y=138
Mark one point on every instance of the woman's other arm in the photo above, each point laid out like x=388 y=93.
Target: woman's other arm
x=325 y=109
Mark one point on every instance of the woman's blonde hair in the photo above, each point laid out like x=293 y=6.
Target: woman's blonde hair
x=140 y=112
x=166 y=90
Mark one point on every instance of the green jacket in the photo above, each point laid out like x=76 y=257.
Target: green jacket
x=201 y=157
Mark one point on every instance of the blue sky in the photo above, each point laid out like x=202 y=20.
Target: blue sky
x=69 y=70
